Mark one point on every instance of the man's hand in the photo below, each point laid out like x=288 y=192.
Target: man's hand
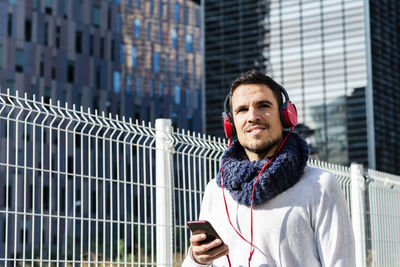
x=206 y=253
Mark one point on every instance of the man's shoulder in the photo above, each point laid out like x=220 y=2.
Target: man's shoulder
x=323 y=178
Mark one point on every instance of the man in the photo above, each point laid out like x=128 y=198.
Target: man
x=267 y=205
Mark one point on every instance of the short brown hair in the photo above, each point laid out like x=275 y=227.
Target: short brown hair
x=254 y=77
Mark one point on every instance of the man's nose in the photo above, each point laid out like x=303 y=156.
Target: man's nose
x=253 y=115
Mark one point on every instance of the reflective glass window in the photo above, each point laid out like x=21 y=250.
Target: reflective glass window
x=134 y=56
x=156 y=62
x=117 y=81
x=177 y=11
x=177 y=96
x=189 y=44
x=137 y=28
x=174 y=38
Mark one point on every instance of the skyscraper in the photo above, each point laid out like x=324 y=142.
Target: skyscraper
x=138 y=58
x=235 y=41
x=339 y=61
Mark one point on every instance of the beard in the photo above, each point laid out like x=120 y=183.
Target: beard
x=265 y=147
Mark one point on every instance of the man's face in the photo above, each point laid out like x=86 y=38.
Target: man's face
x=256 y=116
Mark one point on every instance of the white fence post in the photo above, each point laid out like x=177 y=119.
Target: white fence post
x=358 y=212
x=164 y=173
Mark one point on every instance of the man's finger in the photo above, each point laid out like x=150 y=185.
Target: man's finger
x=197 y=238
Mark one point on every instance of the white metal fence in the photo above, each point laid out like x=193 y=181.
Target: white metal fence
x=79 y=188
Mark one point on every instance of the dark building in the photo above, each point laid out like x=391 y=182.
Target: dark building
x=339 y=61
x=235 y=41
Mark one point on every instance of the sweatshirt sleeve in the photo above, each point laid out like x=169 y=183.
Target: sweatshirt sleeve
x=333 y=229
x=189 y=262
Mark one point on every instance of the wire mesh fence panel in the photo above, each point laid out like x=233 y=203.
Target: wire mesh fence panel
x=78 y=187
x=197 y=160
x=383 y=246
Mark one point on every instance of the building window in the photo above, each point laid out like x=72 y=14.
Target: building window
x=116 y=1
x=186 y=15
x=48 y=7
x=138 y=4
x=12 y=2
x=112 y=50
x=138 y=86
x=184 y=68
x=9 y=25
x=28 y=30
x=101 y=47
x=119 y=26
x=166 y=65
x=151 y=6
x=53 y=68
x=174 y=37
x=177 y=11
x=98 y=76
x=161 y=91
x=176 y=62
x=10 y=85
x=160 y=7
x=188 y=100
x=190 y=123
x=47 y=95
x=156 y=62
x=66 y=9
x=134 y=56
x=70 y=71
x=177 y=96
x=91 y=41
x=151 y=91
x=19 y=62
x=121 y=53
x=80 y=10
x=128 y=84
x=117 y=82
x=137 y=28
x=58 y=29
x=46 y=33
x=189 y=43
x=148 y=31
x=160 y=34
x=78 y=42
x=41 y=65
x=96 y=16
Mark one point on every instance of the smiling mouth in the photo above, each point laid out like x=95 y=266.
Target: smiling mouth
x=255 y=130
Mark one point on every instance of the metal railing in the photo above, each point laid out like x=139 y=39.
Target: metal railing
x=82 y=188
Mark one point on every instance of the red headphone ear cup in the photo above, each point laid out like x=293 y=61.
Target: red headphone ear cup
x=229 y=128
x=289 y=115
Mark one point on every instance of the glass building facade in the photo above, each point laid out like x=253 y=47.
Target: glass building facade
x=234 y=42
x=318 y=52
x=120 y=56
x=339 y=61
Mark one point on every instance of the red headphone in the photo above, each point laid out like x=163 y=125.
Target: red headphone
x=288 y=114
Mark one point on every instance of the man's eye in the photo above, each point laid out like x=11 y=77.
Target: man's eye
x=264 y=106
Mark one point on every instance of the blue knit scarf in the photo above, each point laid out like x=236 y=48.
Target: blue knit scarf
x=282 y=173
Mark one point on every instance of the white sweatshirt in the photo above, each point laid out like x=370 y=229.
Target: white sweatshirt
x=307 y=225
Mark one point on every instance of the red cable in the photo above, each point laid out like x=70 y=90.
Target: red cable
x=252 y=248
